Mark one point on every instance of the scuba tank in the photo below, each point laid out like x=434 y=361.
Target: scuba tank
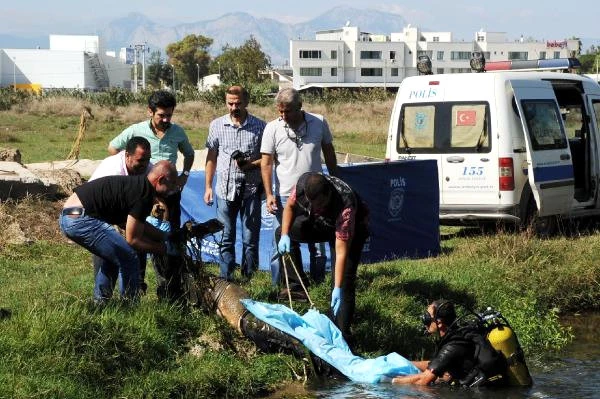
x=504 y=340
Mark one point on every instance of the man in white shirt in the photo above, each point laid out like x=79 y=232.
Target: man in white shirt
x=134 y=160
x=292 y=145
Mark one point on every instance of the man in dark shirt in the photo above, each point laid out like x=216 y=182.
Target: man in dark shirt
x=323 y=208
x=89 y=213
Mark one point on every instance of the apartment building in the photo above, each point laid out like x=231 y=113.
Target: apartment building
x=347 y=57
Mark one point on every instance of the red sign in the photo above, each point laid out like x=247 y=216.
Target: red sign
x=466 y=118
x=556 y=43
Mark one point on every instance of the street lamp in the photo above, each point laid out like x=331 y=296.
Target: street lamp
x=198 y=78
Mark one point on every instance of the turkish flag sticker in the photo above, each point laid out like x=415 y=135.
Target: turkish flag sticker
x=466 y=118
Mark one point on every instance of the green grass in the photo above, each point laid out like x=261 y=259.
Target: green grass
x=56 y=344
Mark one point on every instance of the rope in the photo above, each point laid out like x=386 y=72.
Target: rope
x=287 y=257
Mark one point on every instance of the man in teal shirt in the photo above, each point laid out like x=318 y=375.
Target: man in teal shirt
x=165 y=139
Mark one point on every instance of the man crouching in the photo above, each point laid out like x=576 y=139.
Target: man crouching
x=90 y=212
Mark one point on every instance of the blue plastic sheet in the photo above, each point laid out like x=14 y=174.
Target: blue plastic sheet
x=318 y=333
x=403 y=199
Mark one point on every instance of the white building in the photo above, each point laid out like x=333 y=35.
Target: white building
x=72 y=62
x=347 y=57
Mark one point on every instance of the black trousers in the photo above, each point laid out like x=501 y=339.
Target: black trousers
x=304 y=230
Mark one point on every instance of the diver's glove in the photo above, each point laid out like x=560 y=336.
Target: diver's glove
x=336 y=300
x=172 y=249
x=284 y=244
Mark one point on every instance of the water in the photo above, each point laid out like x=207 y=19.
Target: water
x=573 y=374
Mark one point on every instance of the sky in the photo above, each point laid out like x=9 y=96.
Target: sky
x=539 y=19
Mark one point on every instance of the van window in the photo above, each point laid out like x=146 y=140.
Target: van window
x=449 y=127
x=596 y=105
x=419 y=126
x=542 y=118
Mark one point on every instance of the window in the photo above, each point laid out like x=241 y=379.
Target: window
x=543 y=124
x=436 y=38
x=392 y=55
x=440 y=55
x=480 y=38
x=439 y=70
x=394 y=71
x=517 y=55
x=310 y=54
x=371 y=72
x=460 y=55
x=542 y=55
x=370 y=55
x=311 y=72
x=334 y=54
x=557 y=54
x=333 y=71
x=445 y=128
x=460 y=70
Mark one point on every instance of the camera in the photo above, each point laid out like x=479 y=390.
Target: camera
x=239 y=157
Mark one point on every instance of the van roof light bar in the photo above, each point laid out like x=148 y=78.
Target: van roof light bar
x=529 y=65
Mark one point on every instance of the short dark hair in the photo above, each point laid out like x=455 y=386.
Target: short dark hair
x=239 y=91
x=444 y=310
x=316 y=185
x=135 y=142
x=162 y=99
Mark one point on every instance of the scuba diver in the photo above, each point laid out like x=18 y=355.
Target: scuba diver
x=484 y=352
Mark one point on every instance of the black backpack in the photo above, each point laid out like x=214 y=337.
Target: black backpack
x=490 y=365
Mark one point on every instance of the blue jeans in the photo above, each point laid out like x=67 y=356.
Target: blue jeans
x=101 y=239
x=249 y=212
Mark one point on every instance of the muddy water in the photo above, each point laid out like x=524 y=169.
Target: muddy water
x=574 y=373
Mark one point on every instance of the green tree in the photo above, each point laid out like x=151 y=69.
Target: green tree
x=158 y=72
x=190 y=58
x=241 y=64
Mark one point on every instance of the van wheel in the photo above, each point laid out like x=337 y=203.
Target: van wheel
x=541 y=226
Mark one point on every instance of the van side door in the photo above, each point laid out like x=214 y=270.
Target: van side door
x=549 y=164
x=594 y=113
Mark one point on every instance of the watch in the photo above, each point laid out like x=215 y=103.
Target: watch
x=185 y=173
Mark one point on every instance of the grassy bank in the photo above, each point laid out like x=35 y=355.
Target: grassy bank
x=53 y=124
x=56 y=344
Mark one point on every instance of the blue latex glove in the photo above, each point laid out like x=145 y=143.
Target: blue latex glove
x=336 y=300
x=284 y=244
x=172 y=249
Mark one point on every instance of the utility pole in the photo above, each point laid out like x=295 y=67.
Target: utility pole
x=173 y=68
x=136 y=49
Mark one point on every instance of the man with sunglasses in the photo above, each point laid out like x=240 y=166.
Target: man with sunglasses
x=293 y=144
x=456 y=358
x=323 y=208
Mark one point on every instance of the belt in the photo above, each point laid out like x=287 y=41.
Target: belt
x=73 y=211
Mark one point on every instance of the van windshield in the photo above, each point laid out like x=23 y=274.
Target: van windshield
x=444 y=128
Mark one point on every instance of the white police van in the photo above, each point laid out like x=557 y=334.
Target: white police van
x=510 y=146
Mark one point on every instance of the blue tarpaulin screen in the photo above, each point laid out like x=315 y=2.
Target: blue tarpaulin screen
x=403 y=200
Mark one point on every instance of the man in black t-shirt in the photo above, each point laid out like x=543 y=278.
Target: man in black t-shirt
x=90 y=212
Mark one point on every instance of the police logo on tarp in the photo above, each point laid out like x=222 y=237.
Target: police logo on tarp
x=396 y=201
